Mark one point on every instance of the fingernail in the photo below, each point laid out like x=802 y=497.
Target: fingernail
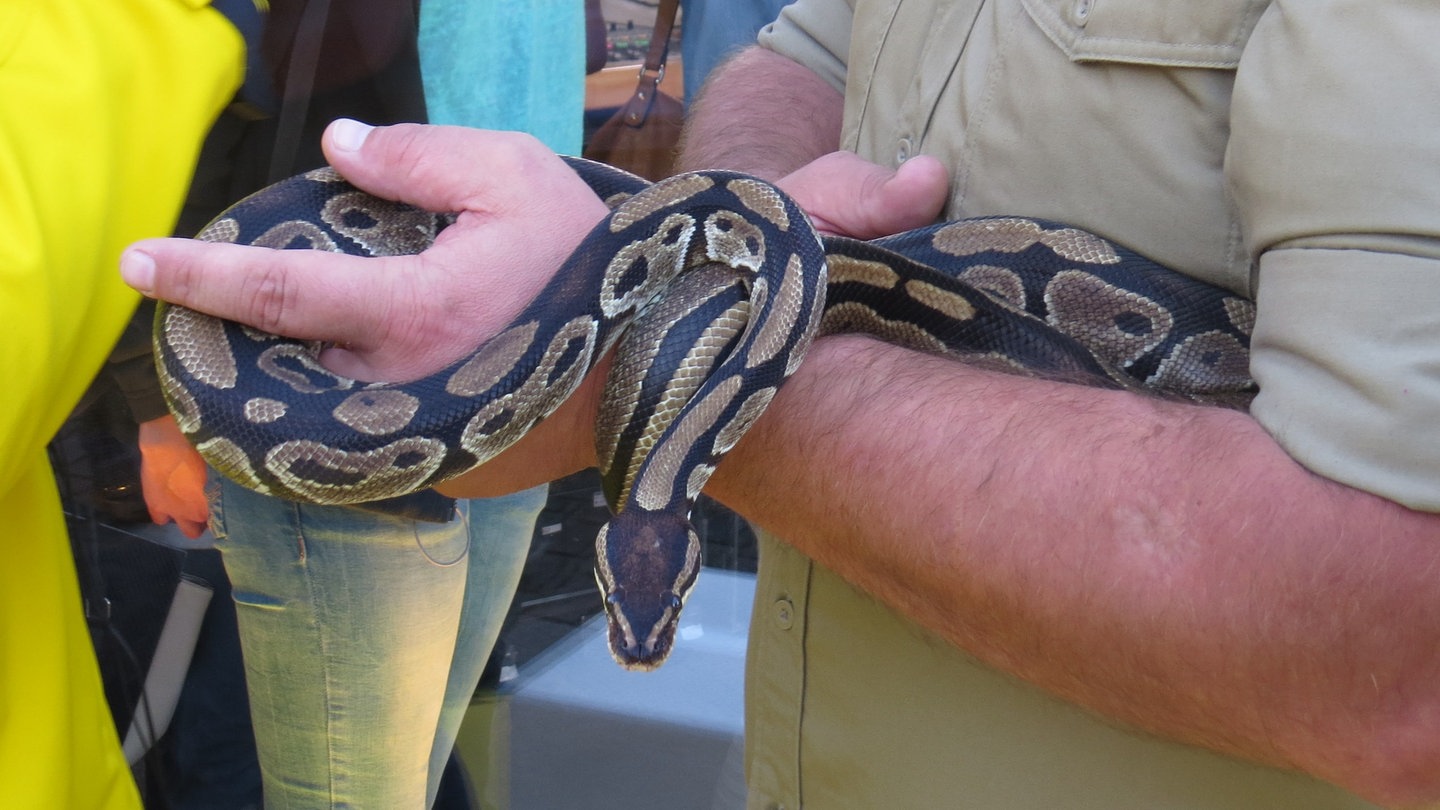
x=349 y=134
x=138 y=270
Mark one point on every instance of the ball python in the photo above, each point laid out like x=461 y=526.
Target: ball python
x=710 y=286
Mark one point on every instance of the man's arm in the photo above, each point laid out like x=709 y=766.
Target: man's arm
x=1162 y=564
x=768 y=134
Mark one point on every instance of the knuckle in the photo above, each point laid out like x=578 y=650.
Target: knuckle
x=409 y=148
x=270 y=295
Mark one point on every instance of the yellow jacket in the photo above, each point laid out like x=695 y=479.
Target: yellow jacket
x=103 y=106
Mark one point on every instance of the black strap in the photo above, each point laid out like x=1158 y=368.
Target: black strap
x=299 y=82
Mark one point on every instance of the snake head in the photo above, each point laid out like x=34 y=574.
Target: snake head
x=646 y=564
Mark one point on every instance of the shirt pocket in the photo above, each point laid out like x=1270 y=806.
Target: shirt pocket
x=1173 y=33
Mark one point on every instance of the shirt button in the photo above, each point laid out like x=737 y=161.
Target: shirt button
x=1080 y=12
x=902 y=151
x=784 y=613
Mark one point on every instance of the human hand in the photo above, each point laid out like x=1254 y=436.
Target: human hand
x=172 y=477
x=521 y=211
x=846 y=195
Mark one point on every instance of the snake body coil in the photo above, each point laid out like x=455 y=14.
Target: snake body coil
x=713 y=285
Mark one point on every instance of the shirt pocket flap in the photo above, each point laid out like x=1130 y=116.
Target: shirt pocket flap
x=1174 y=33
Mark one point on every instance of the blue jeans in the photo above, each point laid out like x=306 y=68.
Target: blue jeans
x=364 y=637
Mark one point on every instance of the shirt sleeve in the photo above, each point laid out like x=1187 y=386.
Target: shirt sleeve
x=815 y=33
x=1334 y=166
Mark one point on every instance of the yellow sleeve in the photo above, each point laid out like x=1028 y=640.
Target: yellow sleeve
x=103 y=106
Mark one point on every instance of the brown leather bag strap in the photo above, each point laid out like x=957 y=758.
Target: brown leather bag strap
x=660 y=37
x=638 y=107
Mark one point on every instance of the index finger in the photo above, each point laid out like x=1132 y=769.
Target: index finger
x=308 y=294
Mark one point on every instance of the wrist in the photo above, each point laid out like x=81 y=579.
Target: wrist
x=159 y=434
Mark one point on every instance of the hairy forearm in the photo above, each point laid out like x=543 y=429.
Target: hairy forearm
x=1163 y=564
x=761 y=113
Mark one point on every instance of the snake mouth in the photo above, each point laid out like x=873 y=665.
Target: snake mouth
x=641 y=655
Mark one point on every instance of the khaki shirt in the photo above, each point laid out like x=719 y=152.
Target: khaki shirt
x=1285 y=150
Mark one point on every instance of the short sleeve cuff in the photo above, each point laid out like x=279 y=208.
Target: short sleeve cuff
x=814 y=33
x=1347 y=354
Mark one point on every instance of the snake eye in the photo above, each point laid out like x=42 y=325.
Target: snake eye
x=613 y=598
x=672 y=601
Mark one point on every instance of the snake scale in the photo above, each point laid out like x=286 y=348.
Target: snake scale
x=712 y=284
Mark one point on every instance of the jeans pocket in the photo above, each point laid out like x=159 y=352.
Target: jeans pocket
x=445 y=544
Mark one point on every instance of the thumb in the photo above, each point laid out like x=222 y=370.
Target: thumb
x=447 y=168
x=849 y=196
